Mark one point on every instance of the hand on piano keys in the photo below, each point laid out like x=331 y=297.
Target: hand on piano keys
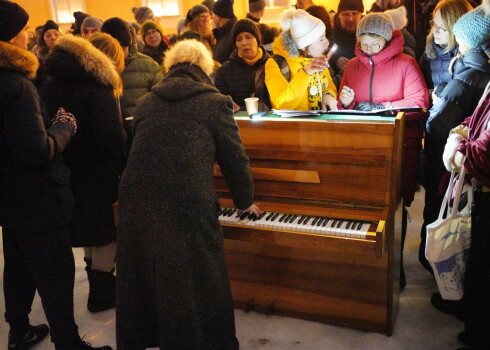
x=295 y=223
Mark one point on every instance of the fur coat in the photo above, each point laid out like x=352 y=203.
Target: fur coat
x=84 y=81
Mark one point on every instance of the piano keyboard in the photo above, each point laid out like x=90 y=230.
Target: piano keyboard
x=295 y=222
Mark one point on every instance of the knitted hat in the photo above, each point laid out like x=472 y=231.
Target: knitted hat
x=47 y=26
x=267 y=33
x=224 y=8
x=300 y=27
x=13 y=19
x=473 y=28
x=142 y=13
x=376 y=23
x=194 y=12
x=208 y=3
x=151 y=25
x=118 y=29
x=92 y=22
x=399 y=17
x=350 y=5
x=135 y=26
x=256 y=5
x=79 y=17
x=246 y=25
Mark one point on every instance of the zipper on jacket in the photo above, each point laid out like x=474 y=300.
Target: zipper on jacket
x=371 y=80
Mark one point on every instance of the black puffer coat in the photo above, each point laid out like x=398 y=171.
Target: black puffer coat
x=34 y=182
x=236 y=78
x=83 y=80
x=172 y=287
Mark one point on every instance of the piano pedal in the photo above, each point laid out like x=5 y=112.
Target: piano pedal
x=249 y=306
x=271 y=309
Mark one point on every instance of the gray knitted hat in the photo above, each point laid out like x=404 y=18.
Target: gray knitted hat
x=376 y=23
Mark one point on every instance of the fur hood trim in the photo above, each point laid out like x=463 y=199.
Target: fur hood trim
x=190 y=51
x=93 y=61
x=289 y=44
x=18 y=59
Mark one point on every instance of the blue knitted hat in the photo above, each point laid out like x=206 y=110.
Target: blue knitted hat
x=473 y=28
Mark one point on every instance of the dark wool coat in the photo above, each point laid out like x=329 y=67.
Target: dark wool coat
x=172 y=287
x=236 y=78
x=158 y=53
x=34 y=190
x=435 y=65
x=224 y=41
x=345 y=41
x=83 y=80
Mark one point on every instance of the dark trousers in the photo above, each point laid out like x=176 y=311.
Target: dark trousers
x=477 y=280
x=41 y=260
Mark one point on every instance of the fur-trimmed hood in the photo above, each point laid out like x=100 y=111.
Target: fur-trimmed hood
x=74 y=58
x=18 y=59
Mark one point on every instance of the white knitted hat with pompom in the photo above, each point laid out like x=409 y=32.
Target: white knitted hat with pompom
x=303 y=27
x=399 y=17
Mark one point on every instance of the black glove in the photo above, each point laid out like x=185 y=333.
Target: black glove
x=368 y=106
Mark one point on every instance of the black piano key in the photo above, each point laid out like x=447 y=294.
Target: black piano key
x=325 y=222
x=244 y=215
x=281 y=219
x=359 y=226
x=319 y=223
x=224 y=211
x=275 y=217
x=334 y=223
x=315 y=220
x=232 y=211
x=306 y=220
x=293 y=218
x=348 y=225
x=264 y=213
x=269 y=217
x=252 y=216
x=286 y=220
x=339 y=224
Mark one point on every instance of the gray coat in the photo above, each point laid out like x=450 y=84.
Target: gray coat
x=172 y=287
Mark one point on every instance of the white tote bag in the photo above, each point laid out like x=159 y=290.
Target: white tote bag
x=449 y=240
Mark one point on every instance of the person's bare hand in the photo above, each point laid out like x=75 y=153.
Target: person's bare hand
x=341 y=62
x=346 y=96
x=254 y=209
x=317 y=65
x=330 y=102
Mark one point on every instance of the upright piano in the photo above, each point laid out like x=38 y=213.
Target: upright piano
x=327 y=248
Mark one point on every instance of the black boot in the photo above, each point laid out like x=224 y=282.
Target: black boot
x=86 y=346
x=33 y=335
x=102 y=292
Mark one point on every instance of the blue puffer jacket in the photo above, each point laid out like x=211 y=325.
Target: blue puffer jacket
x=435 y=64
x=459 y=98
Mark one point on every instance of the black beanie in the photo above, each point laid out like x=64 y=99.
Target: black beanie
x=246 y=25
x=13 y=19
x=118 y=29
x=350 y=5
x=256 y=5
x=49 y=25
x=224 y=8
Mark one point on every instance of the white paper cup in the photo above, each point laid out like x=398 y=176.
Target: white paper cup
x=252 y=104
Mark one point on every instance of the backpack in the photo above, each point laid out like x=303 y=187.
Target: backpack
x=260 y=89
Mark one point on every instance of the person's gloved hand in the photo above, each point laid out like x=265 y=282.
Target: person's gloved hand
x=63 y=116
x=450 y=152
x=368 y=106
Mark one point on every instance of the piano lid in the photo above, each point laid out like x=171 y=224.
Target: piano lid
x=335 y=160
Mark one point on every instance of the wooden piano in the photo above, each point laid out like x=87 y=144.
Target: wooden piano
x=343 y=267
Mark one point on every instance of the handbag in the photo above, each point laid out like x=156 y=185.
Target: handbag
x=449 y=239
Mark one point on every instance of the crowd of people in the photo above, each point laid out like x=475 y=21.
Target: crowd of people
x=71 y=176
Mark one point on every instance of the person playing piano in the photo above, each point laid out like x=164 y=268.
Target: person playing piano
x=382 y=76
x=302 y=44
x=173 y=291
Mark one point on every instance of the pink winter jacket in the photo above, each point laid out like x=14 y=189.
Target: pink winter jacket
x=394 y=79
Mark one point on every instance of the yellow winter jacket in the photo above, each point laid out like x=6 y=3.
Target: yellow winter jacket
x=295 y=93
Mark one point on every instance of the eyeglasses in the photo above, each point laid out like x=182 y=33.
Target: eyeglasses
x=440 y=29
x=347 y=14
x=151 y=32
x=374 y=46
